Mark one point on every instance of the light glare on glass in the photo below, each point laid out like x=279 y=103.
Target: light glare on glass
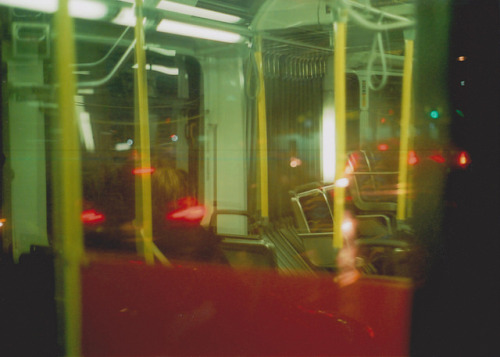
x=347 y=227
x=342 y=182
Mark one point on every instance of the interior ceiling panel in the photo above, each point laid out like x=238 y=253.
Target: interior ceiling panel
x=307 y=40
x=246 y=9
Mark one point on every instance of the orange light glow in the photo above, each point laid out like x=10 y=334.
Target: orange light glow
x=295 y=161
x=143 y=170
x=2 y=222
x=91 y=216
x=463 y=159
x=461 y=58
x=383 y=147
x=412 y=158
x=346 y=263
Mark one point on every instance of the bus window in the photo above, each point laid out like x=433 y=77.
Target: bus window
x=246 y=177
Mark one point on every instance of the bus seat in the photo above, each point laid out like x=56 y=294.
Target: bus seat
x=250 y=250
x=373 y=181
x=313 y=213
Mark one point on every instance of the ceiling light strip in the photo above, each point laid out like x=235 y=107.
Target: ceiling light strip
x=197 y=12
x=202 y=32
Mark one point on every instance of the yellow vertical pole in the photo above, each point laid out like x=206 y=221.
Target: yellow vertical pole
x=262 y=147
x=144 y=221
x=405 y=131
x=339 y=66
x=68 y=196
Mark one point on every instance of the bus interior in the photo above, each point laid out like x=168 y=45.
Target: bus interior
x=249 y=177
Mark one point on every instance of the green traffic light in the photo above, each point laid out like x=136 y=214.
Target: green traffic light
x=434 y=114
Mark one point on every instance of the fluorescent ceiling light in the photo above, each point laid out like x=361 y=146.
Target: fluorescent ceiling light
x=40 y=5
x=171 y=71
x=328 y=143
x=162 y=51
x=207 y=33
x=83 y=9
x=122 y=146
x=87 y=9
x=84 y=124
x=86 y=91
x=126 y=17
x=196 y=11
x=165 y=70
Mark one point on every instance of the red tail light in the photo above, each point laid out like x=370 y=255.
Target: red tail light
x=412 y=158
x=438 y=158
x=91 y=216
x=143 y=170
x=190 y=214
x=189 y=211
x=383 y=147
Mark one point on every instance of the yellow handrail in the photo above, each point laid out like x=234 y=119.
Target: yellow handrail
x=68 y=194
x=262 y=143
x=405 y=131
x=144 y=221
x=339 y=67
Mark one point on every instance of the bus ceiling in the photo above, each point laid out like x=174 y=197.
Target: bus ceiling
x=305 y=23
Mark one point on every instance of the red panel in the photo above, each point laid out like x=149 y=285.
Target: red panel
x=137 y=310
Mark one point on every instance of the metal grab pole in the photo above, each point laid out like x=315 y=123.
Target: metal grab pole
x=67 y=193
x=262 y=143
x=339 y=66
x=143 y=202
x=405 y=131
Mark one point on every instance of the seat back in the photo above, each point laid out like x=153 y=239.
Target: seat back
x=373 y=180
